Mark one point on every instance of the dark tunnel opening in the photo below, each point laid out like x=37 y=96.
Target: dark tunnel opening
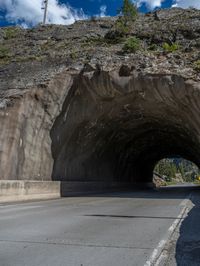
x=120 y=137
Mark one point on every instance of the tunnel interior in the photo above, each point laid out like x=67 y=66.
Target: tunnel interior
x=113 y=131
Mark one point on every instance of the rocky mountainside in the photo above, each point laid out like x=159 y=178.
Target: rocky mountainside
x=51 y=47
x=75 y=102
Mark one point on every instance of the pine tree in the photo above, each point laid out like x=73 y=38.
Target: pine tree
x=129 y=10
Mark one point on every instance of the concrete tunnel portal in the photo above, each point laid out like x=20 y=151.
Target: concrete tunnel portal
x=116 y=128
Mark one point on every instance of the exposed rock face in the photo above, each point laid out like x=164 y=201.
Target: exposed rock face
x=26 y=118
x=95 y=114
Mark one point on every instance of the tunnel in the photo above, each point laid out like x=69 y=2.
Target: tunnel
x=115 y=127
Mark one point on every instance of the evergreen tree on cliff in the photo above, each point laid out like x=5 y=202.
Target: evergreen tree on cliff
x=129 y=11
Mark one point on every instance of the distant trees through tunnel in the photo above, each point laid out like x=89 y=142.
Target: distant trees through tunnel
x=175 y=170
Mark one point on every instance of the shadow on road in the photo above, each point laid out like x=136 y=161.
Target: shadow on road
x=170 y=192
x=188 y=244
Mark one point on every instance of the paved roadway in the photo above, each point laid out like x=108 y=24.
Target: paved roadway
x=115 y=229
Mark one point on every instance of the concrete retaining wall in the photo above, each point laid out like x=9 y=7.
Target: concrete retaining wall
x=15 y=190
x=12 y=191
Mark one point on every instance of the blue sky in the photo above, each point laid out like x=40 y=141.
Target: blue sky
x=92 y=6
x=28 y=12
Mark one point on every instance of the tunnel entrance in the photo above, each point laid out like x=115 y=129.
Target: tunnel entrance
x=116 y=129
x=173 y=171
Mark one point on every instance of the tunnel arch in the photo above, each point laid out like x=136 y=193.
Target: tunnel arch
x=114 y=128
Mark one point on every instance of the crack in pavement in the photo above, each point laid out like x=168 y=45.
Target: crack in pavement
x=73 y=244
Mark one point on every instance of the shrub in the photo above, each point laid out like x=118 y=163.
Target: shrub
x=197 y=65
x=131 y=45
x=4 y=52
x=170 y=48
x=118 y=32
x=121 y=27
x=10 y=33
x=153 y=47
x=94 y=41
x=74 y=54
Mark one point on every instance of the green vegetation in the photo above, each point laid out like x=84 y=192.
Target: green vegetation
x=4 y=52
x=128 y=14
x=94 y=41
x=172 y=169
x=4 y=55
x=197 y=65
x=29 y=58
x=128 y=11
x=167 y=169
x=169 y=48
x=10 y=33
x=197 y=182
x=131 y=45
x=170 y=183
x=74 y=54
x=116 y=35
x=121 y=27
x=153 y=47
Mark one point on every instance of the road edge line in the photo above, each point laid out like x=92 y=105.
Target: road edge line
x=157 y=254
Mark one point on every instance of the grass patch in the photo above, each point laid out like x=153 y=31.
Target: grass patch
x=4 y=55
x=171 y=183
x=29 y=58
x=170 y=48
x=4 y=61
x=94 y=41
x=196 y=182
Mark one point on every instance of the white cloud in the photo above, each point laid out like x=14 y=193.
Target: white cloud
x=151 y=4
x=29 y=12
x=103 y=11
x=187 y=3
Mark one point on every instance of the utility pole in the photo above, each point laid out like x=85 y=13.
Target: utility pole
x=45 y=11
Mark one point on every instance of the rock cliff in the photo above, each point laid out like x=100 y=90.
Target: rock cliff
x=75 y=105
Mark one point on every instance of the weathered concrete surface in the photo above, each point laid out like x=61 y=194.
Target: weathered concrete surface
x=111 y=229
x=12 y=191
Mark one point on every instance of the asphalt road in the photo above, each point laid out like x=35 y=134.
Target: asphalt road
x=114 y=229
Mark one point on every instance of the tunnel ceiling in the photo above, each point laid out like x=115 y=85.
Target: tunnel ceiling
x=115 y=128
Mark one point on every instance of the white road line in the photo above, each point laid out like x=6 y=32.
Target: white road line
x=158 y=255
